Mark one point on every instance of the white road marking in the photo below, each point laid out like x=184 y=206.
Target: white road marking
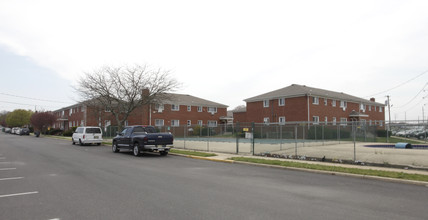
x=12 y=178
x=11 y=168
x=18 y=194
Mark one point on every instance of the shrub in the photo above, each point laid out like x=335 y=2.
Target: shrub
x=382 y=133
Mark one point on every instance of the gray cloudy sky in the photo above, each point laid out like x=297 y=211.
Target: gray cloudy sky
x=223 y=51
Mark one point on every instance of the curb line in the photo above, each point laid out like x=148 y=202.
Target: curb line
x=387 y=179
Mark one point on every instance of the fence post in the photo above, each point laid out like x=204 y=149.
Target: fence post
x=295 y=137
x=252 y=138
x=322 y=129
x=354 y=132
x=237 y=138
x=280 y=137
x=184 y=135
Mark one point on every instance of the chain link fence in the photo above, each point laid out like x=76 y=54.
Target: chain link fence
x=350 y=141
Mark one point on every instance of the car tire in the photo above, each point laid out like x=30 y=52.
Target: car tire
x=136 y=150
x=80 y=142
x=98 y=144
x=72 y=141
x=163 y=153
x=114 y=148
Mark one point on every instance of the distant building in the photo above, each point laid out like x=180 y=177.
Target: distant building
x=301 y=103
x=178 y=110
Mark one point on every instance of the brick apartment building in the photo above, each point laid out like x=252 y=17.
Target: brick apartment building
x=301 y=103
x=178 y=110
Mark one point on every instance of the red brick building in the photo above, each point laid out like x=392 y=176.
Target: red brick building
x=301 y=103
x=178 y=110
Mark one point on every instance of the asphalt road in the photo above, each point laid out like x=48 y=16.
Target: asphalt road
x=42 y=178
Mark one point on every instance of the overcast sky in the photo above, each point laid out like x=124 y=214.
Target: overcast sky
x=223 y=51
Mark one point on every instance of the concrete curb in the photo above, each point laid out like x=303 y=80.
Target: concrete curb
x=387 y=179
x=203 y=158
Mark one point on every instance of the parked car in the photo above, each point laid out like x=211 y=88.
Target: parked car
x=421 y=135
x=87 y=135
x=14 y=130
x=7 y=130
x=24 y=131
x=142 y=139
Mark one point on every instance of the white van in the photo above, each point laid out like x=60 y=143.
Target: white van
x=87 y=135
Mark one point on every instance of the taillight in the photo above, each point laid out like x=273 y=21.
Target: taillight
x=83 y=136
x=145 y=139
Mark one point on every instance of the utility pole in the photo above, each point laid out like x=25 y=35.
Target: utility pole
x=389 y=123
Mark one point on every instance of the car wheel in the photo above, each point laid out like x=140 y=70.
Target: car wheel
x=72 y=141
x=80 y=142
x=98 y=144
x=114 y=148
x=163 y=153
x=136 y=150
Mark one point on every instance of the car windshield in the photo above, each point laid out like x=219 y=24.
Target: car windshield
x=93 y=131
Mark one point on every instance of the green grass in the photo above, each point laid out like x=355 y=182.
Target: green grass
x=389 y=174
x=192 y=153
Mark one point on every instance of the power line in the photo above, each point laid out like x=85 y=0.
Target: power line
x=426 y=71
x=16 y=103
x=44 y=100
x=423 y=89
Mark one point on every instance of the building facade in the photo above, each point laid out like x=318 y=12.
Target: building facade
x=297 y=103
x=178 y=110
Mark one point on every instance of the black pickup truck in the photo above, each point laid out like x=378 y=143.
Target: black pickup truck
x=141 y=138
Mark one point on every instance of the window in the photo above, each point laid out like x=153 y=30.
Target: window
x=325 y=120
x=315 y=100
x=265 y=103
x=325 y=102
x=316 y=119
x=375 y=108
x=370 y=108
x=370 y=123
x=200 y=122
x=69 y=124
x=199 y=108
x=281 y=101
x=212 y=124
x=380 y=110
x=107 y=109
x=81 y=123
x=212 y=109
x=343 y=104
x=281 y=120
x=175 y=107
x=175 y=123
x=334 y=120
x=189 y=108
x=266 y=120
x=380 y=123
x=362 y=107
x=70 y=112
x=159 y=122
x=333 y=103
x=189 y=122
x=126 y=123
x=343 y=121
x=159 y=107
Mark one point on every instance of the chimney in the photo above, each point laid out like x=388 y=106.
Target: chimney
x=372 y=99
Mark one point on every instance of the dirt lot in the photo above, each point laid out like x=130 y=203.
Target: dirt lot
x=332 y=150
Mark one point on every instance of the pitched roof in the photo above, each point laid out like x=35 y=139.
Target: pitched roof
x=298 y=90
x=182 y=99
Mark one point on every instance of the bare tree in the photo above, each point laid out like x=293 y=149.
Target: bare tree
x=42 y=120
x=123 y=89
